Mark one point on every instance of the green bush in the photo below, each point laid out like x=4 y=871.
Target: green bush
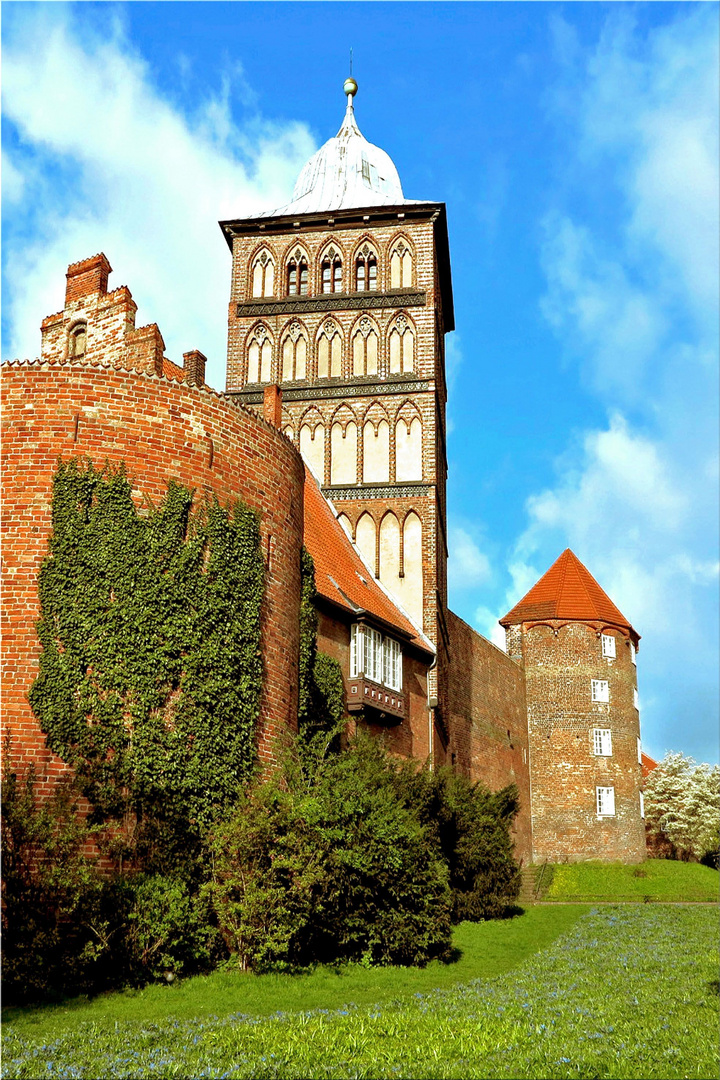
x=169 y=931
x=471 y=828
x=59 y=916
x=330 y=866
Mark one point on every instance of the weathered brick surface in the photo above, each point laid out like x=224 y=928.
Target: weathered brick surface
x=162 y=430
x=488 y=720
x=560 y=660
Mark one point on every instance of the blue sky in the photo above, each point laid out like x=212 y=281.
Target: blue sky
x=576 y=148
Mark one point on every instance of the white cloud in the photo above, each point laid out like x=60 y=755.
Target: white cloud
x=467 y=564
x=127 y=172
x=632 y=293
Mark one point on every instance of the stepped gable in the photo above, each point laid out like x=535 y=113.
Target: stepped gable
x=567 y=591
x=341 y=576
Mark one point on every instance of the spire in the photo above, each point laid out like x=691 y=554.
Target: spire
x=349 y=126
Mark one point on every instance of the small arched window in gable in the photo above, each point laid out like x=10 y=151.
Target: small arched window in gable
x=401 y=266
x=77 y=341
x=297 y=274
x=366 y=270
x=263 y=275
x=331 y=272
x=294 y=354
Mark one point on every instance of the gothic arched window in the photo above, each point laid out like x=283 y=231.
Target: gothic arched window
x=402 y=346
x=294 y=354
x=297 y=274
x=365 y=348
x=366 y=270
x=263 y=274
x=331 y=272
x=329 y=351
x=401 y=266
x=259 y=356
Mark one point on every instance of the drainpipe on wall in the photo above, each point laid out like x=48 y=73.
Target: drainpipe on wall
x=432 y=704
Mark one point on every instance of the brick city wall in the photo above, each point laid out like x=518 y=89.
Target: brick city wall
x=560 y=661
x=162 y=430
x=488 y=720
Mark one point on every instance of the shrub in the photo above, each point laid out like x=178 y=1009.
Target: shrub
x=471 y=827
x=59 y=916
x=168 y=930
x=328 y=866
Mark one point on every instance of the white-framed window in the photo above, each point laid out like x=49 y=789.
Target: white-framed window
x=378 y=658
x=599 y=690
x=393 y=664
x=639 y=746
x=642 y=805
x=605 y=798
x=636 y=699
x=608 y=645
x=602 y=742
x=633 y=654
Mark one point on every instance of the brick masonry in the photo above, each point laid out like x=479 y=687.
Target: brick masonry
x=560 y=660
x=162 y=430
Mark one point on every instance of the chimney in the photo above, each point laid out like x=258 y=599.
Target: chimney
x=87 y=278
x=194 y=367
x=272 y=405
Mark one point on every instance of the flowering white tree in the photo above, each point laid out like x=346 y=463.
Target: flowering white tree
x=682 y=802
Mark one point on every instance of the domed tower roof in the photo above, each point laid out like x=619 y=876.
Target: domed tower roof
x=347 y=171
x=568 y=591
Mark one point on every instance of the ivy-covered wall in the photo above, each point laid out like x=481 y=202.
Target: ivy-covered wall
x=163 y=431
x=151 y=673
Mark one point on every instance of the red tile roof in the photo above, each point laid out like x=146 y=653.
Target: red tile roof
x=648 y=764
x=341 y=576
x=172 y=371
x=567 y=591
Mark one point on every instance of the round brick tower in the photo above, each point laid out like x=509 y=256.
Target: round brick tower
x=579 y=655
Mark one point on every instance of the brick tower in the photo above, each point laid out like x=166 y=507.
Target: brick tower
x=579 y=655
x=343 y=298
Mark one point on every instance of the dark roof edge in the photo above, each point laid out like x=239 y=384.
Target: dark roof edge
x=362 y=615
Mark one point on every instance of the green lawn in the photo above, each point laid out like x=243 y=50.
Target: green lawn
x=485 y=949
x=658 y=879
x=628 y=991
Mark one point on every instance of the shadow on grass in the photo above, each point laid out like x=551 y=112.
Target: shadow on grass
x=714 y=986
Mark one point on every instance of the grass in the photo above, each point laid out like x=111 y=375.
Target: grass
x=485 y=950
x=626 y=992
x=653 y=880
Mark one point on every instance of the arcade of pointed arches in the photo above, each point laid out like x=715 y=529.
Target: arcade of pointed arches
x=365 y=269
x=331 y=356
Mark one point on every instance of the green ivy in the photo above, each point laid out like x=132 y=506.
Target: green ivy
x=151 y=672
x=321 y=704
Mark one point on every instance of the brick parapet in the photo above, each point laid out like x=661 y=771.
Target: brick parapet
x=161 y=429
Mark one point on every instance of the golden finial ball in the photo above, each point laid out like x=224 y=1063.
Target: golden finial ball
x=350 y=86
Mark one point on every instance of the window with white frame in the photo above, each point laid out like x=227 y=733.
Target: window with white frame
x=636 y=699
x=642 y=805
x=608 y=645
x=639 y=746
x=632 y=653
x=602 y=742
x=392 y=664
x=378 y=658
x=605 y=798
x=599 y=690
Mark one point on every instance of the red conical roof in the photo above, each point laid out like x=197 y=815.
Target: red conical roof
x=567 y=591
